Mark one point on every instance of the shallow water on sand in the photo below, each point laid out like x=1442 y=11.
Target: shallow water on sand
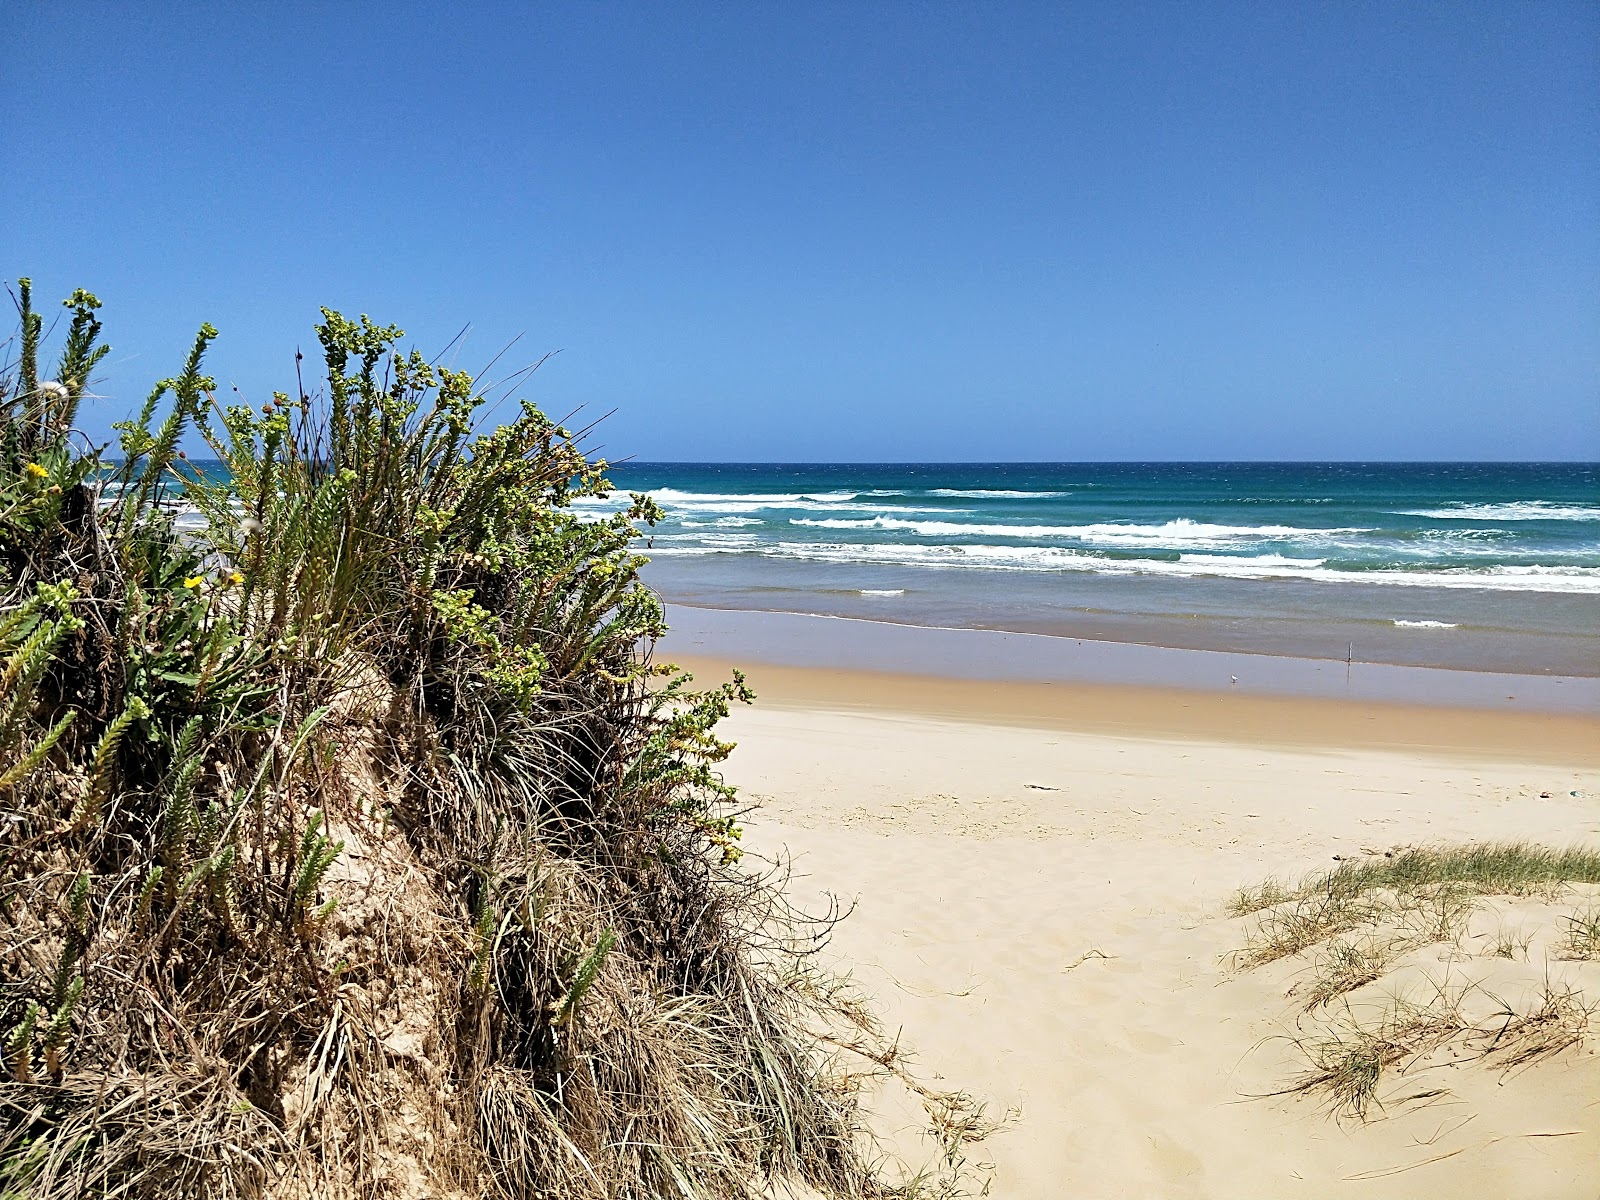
x=788 y=639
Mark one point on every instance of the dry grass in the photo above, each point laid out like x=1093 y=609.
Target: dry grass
x=360 y=846
x=1510 y=946
x=1582 y=938
x=1355 y=924
x=1431 y=890
x=1349 y=1066
x=1559 y=1021
x=1344 y=966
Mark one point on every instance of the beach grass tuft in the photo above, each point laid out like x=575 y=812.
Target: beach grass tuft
x=1349 y=1066
x=1582 y=936
x=1488 y=868
x=1434 y=888
x=1356 y=924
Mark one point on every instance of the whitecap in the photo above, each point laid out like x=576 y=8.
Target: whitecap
x=995 y=494
x=1251 y=560
x=1514 y=510
x=674 y=496
x=1567 y=580
x=1179 y=532
x=1399 y=624
x=795 y=503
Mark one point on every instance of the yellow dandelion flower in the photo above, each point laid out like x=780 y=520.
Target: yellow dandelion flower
x=235 y=578
x=193 y=582
x=34 y=471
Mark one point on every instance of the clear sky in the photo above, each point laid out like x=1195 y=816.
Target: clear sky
x=857 y=231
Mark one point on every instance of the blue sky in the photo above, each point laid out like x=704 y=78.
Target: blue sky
x=864 y=231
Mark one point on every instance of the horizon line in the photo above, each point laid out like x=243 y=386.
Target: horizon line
x=1089 y=462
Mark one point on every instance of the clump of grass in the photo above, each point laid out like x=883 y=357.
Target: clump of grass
x=1344 y=966
x=1357 y=920
x=542 y=971
x=1349 y=1066
x=1485 y=868
x=1391 y=924
x=1582 y=939
x=1509 y=945
x=1559 y=1021
x=1299 y=922
x=1433 y=888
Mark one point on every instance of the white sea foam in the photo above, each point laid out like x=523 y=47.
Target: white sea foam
x=994 y=494
x=722 y=522
x=729 y=539
x=789 y=503
x=1181 y=532
x=661 y=543
x=674 y=496
x=1568 y=580
x=1249 y=560
x=188 y=518
x=675 y=501
x=1424 y=625
x=1514 y=510
x=882 y=591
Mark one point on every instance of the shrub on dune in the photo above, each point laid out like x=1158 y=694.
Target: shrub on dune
x=355 y=841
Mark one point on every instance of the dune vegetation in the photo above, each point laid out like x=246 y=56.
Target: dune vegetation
x=355 y=842
x=1430 y=957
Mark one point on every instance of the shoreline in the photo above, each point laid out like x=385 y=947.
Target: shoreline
x=1133 y=711
x=1452 y=628
x=747 y=638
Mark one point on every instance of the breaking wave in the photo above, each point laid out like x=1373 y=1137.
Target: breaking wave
x=1568 y=580
x=1515 y=510
x=1179 y=532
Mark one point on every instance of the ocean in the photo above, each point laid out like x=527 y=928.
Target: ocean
x=1489 y=566
x=1478 y=566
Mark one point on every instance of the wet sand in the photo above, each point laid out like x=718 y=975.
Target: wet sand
x=1467 y=629
x=794 y=639
x=1226 y=716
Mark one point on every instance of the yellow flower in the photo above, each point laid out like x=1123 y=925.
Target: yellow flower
x=235 y=578
x=34 y=471
x=193 y=583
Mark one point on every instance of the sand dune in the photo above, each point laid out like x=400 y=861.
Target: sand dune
x=1043 y=910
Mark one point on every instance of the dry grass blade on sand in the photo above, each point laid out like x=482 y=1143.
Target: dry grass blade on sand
x=1355 y=925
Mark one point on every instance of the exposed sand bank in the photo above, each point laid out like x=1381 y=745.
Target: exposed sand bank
x=1063 y=951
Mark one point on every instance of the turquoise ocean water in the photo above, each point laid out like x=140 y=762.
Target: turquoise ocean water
x=1492 y=566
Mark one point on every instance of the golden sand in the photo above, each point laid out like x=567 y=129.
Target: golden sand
x=1040 y=876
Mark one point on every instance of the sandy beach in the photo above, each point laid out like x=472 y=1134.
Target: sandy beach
x=875 y=601
x=1040 y=877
